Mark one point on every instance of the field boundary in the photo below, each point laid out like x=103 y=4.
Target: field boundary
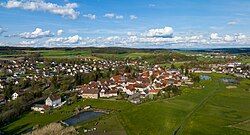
x=183 y=123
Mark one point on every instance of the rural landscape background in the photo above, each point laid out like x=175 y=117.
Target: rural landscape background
x=118 y=67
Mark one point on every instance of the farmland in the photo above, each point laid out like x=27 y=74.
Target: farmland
x=222 y=111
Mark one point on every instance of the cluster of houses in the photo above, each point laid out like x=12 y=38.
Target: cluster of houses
x=15 y=70
x=148 y=82
x=235 y=68
x=213 y=55
x=41 y=69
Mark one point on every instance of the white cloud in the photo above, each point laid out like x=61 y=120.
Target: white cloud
x=113 y=16
x=214 y=36
x=68 y=40
x=133 y=17
x=90 y=16
x=37 y=33
x=229 y=38
x=232 y=23
x=152 y=38
x=109 y=15
x=59 y=32
x=27 y=43
x=67 y=10
x=166 y=32
x=138 y=40
x=240 y=36
x=119 y=17
x=73 y=39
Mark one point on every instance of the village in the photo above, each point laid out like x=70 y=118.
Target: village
x=148 y=82
x=124 y=67
x=235 y=68
x=29 y=70
x=76 y=90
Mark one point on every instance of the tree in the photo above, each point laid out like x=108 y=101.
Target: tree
x=54 y=82
x=127 y=69
x=186 y=71
x=24 y=83
x=79 y=79
x=8 y=91
x=195 y=78
x=172 y=89
x=173 y=66
x=175 y=90
x=116 y=72
x=64 y=86
x=182 y=69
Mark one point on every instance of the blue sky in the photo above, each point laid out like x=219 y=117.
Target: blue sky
x=127 y=23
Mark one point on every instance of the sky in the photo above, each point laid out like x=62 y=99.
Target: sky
x=125 y=23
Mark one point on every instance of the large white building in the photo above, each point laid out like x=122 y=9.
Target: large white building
x=53 y=100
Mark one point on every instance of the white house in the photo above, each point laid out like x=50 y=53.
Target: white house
x=108 y=93
x=89 y=93
x=130 y=89
x=53 y=100
x=14 y=96
x=39 y=108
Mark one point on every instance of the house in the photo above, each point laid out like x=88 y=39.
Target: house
x=87 y=107
x=87 y=92
x=153 y=92
x=130 y=89
x=106 y=92
x=39 y=108
x=14 y=96
x=144 y=94
x=53 y=100
x=135 y=98
x=141 y=86
x=184 y=78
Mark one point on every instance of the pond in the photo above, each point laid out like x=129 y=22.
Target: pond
x=82 y=117
x=228 y=80
x=205 y=77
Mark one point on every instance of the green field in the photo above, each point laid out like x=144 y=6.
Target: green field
x=100 y=53
x=211 y=110
x=57 y=53
x=31 y=119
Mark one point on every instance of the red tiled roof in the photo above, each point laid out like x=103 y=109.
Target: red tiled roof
x=130 y=87
x=153 y=91
x=54 y=97
x=87 y=90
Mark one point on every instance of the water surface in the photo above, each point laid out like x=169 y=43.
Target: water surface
x=83 y=117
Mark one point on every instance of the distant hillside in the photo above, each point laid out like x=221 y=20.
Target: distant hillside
x=221 y=50
x=121 y=50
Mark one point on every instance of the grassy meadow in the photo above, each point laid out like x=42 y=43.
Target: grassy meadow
x=213 y=109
